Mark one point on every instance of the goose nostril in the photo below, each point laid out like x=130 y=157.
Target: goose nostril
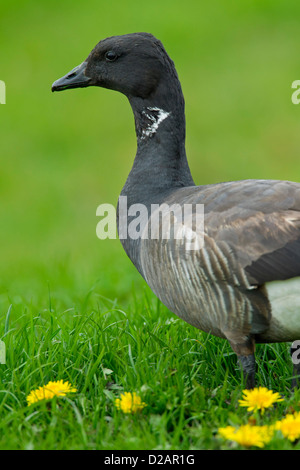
x=71 y=75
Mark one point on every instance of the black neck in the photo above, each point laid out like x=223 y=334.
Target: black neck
x=160 y=163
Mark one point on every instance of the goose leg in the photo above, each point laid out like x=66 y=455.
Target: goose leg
x=248 y=368
x=244 y=348
x=295 y=356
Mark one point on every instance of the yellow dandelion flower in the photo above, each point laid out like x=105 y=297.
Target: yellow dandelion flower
x=49 y=391
x=259 y=399
x=247 y=435
x=129 y=402
x=290 y=426
x=228 y=432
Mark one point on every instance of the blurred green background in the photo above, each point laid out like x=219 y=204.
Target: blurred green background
x=64 y=154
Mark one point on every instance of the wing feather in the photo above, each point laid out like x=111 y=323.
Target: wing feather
x=259 y=220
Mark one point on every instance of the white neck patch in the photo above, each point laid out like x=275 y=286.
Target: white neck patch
x=155 y=119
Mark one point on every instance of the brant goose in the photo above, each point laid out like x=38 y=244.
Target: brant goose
x=251 y=232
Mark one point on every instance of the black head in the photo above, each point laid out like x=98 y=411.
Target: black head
x=133 y=64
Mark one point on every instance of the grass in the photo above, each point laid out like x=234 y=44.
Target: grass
x=189 y=380
x=73 y=307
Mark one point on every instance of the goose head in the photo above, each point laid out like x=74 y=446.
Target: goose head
x=133 y=64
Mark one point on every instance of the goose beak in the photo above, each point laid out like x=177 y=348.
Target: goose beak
x=74 y=79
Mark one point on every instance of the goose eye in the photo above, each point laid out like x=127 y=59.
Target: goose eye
x=110 y=56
